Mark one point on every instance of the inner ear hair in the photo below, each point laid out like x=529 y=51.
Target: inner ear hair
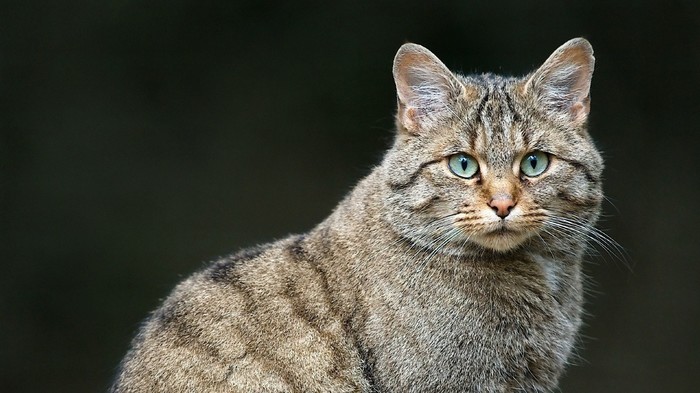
x=425 y=87
x=562 y=84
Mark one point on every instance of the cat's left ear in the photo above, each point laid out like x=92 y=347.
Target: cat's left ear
x=427 y=90
x=563 y=82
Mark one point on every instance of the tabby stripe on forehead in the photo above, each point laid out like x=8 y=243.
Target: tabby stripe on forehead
x=481 y=107
x=511 y=107
x=414 y=176
x=473 y=136
x=525 y=134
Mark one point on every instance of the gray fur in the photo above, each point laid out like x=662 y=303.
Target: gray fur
x=413 y=284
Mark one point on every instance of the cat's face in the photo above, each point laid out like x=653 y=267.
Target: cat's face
x=489 y=162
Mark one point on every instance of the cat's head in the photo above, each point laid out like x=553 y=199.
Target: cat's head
x=492 y=162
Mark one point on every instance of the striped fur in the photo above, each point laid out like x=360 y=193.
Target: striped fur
x=414 y=283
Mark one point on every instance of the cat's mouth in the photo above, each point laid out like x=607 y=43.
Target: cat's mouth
x=503 y=230
x=502 y=238
x=504 y=234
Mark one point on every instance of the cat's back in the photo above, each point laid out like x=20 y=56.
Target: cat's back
x=260 y=320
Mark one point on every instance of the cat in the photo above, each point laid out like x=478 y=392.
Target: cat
x=454 y=266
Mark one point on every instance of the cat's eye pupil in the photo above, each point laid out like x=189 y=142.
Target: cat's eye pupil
x=533 y=161
x=464 y=162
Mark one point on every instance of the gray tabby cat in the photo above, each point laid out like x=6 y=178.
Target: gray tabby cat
x=454 y=266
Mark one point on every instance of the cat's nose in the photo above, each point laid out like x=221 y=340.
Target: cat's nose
x=502 y=204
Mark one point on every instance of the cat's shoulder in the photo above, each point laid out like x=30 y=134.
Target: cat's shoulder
x=259 y=259
x=227 y=319
x=269 y=272
x=260 y=281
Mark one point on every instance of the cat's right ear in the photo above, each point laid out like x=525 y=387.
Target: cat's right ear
x=425 y=87
x=563 y=82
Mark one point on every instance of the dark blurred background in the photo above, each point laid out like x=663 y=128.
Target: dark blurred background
x=140 y=139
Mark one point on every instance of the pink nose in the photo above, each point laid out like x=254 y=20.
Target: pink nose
x=502 y=205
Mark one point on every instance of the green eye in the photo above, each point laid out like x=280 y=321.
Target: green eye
x=463 y=165
x=534 y=164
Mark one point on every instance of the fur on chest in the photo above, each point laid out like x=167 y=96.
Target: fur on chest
x=502 y=331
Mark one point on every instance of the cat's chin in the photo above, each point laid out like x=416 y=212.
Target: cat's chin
x=501 y=240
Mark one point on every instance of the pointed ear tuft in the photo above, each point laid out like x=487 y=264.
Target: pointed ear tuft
x=562 y=84
x=426 y=88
